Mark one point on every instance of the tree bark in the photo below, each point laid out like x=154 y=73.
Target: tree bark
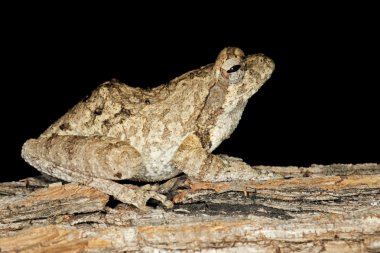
x=333 y=208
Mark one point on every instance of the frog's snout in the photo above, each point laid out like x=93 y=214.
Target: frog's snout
x=264 y=62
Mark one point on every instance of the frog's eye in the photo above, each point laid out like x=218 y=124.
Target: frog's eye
x=232 y=70
x=229 y=66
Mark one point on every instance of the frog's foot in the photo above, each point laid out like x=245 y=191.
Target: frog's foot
x=150 y=187
x=146 y=195
x=134 y=195
x=127 y=193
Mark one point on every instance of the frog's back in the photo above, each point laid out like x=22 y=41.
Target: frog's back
x=117 y=110
x=110 y=104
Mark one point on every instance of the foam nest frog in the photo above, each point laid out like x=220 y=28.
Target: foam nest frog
x=120 y=132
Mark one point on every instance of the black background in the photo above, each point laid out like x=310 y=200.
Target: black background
x=320 y=106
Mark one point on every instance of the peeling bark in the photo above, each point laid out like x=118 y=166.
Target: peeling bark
x=334 y=208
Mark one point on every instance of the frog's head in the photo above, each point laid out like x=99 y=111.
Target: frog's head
x=243 y=74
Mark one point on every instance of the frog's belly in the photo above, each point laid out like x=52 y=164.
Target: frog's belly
x=157 y=165
x=156 y=174
x=157 y=146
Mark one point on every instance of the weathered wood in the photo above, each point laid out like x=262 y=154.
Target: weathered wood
x=55 y=200
x=329 y=210
x=317 y=170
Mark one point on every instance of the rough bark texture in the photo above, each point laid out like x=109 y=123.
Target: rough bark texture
x=334 y=208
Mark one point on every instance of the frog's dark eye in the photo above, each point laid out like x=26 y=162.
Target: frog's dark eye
x=230 y=65
x=234 y=68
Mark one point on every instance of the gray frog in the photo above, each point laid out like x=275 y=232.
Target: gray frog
x=121 y=132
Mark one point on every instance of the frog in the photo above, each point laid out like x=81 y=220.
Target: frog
x=120 y=132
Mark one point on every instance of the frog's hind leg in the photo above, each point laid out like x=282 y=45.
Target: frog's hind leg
x=92 y=161
x=94 y=156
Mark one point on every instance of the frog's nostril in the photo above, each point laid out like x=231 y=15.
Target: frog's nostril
x=266 y=61
x=270 y=63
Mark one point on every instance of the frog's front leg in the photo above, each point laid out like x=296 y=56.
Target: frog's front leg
x=94 y=161
x=198 y=164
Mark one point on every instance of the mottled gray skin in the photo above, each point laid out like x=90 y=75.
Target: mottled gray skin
x=121 y=132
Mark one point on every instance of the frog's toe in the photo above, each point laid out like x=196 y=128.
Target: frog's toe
x=162 y=198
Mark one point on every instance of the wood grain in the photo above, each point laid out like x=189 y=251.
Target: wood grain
x=338 y=212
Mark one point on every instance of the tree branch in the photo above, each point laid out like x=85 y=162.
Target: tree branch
x=333 y=208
